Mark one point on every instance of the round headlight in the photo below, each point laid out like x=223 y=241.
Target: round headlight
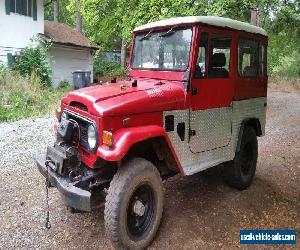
x=92 y=137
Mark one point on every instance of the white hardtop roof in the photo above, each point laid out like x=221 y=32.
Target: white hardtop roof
x=211 y=20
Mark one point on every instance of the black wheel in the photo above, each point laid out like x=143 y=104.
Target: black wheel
x=134 y=205
x=239 y=173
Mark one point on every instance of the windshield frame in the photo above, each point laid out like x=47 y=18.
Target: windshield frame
x=164 y=29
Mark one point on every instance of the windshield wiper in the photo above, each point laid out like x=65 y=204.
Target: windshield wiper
x=169 y=32
x=146 y=36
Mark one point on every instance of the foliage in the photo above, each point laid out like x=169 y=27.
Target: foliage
x=114 y=20
x=3 y=71
x=284 y=36
x=66 y=11
x=107 y=22
x=25 y=96
x=108 y=68
x=34 y=58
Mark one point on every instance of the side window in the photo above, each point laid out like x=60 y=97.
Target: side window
x=213 y=56
x=219 y=56
x=251 y=61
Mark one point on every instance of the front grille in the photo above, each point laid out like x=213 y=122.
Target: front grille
x=83 y=124
x=84 y=136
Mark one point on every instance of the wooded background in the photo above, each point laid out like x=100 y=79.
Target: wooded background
x=109 y=23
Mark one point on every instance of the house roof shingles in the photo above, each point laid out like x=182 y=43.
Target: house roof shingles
x=61 y=33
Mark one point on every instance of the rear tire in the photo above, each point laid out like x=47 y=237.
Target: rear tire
x=239 y=173
x=134 y=205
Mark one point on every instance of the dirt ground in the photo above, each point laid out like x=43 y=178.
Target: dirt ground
x=200 y=212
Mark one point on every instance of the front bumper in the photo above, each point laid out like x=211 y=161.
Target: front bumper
x=73 y=196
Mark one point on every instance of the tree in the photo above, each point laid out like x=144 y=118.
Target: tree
x=56 y=11
x=110 y=22
x=114 y=21
x=66 y=13
x=78 y=16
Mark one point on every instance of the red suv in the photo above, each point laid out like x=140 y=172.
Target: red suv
x=195 y=97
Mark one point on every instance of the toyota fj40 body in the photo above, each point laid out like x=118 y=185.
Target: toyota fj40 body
x=195 y=97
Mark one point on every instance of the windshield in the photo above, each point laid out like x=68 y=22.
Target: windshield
x=165 y=50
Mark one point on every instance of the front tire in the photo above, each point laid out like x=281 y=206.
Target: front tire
x=239 y=173
x=134 y=205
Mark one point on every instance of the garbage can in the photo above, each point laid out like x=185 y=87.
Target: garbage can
x=81 y=79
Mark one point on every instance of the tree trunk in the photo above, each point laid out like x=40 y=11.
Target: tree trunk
x=255 y=20
x=56 y=11
x=78 y=16
x=123 y=53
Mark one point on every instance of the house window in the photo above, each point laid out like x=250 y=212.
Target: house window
x=22 y=7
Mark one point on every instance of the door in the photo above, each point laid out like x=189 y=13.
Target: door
x=212 y=91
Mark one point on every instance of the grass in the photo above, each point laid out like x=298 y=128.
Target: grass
x=286 y=84
x=24 y=97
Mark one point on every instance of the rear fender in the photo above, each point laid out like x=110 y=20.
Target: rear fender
x=252 y=122
x=125 y=138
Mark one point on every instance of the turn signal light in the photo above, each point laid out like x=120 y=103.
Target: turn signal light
x=107 y=138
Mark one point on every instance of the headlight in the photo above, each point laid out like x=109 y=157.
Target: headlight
x=92 y=137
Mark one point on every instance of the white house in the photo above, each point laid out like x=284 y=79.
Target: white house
x=20 y=20
x=70 y=51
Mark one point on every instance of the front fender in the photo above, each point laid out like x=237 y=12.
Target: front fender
x=124 y=138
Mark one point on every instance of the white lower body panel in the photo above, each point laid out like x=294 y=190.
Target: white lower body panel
x=217 y=132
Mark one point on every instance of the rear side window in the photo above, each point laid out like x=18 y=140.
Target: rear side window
x=251 y=61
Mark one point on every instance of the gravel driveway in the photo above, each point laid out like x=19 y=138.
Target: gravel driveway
x=200 y=210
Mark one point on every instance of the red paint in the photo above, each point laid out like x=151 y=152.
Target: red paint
x=159 y=91
x=126 y=137
x=220 y=92
x=111 y=100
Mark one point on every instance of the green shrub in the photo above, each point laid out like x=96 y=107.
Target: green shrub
x=63 y=84
x=34 y=58
x=108 y=68
x=3 y=70
x=288 y=66
x=26 y=96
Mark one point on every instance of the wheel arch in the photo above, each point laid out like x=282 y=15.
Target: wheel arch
x=158 y=152
x=130 y=142
x=251 y=122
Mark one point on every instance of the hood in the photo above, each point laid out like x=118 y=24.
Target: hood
x=114 y=99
